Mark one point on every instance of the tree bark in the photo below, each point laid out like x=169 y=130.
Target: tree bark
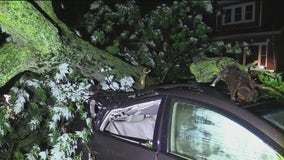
x=240 y=85
x=40 y=40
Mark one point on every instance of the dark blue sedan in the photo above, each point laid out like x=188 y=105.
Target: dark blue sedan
x=187 y=122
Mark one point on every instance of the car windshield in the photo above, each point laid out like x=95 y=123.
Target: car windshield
x=135 y=121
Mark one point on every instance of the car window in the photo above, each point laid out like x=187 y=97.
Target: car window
x=276 y=118
x=202 y=134
x=135 y=122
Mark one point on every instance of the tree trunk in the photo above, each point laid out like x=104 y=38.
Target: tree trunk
x=40 y=40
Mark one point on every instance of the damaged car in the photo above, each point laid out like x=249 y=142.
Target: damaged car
x=185 y=122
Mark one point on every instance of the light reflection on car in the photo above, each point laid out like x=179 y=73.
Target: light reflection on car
x=186 y=121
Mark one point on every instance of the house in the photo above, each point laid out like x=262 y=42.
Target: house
x=260 y=23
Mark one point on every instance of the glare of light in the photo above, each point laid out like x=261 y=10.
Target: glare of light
x=262 y=67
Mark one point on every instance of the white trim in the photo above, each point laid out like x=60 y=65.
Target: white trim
x=228 y=2
x=233 y=11
x=257 y=43
x=216 y=20
x=245 y=35
x=266 y=54
x=259 y=50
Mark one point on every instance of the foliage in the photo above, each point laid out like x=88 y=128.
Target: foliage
x=29 y=41
x=39 y=40
x=271 y=83
x=165 y=39
x=37 y=121
x=207 y=70
x=125 y=84
x=45 y=116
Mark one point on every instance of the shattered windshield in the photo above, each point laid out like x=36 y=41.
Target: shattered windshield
x=135 y=121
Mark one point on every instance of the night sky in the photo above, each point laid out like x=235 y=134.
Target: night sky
x=73 y=11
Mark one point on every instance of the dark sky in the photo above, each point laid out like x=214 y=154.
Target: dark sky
x=74 y=10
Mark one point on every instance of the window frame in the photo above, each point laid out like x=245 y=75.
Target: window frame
x=243 y=13
x=260 y=55
x=212 y=107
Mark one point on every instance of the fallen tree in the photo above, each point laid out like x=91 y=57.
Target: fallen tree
x=57 y=69
x=245 y=84
x=41 y=41
x=39 y=108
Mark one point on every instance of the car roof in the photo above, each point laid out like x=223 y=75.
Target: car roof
x=188 y=90
x=217 y=96
x=220 y=97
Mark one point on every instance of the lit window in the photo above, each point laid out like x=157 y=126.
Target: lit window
x=240 y=13
x=263 y=55
x=258 y=53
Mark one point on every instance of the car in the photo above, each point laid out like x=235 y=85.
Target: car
x=185 y=121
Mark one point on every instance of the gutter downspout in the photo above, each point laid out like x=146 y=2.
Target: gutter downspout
x=273 y=52
x=260 y=13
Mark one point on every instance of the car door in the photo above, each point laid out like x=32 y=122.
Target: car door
x=199 y=131
x=128 y=133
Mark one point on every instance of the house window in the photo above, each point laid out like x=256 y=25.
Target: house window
x=259 y=54
x=240 y=13
x=263 y=56
x=249 y=12
x=228 y=15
